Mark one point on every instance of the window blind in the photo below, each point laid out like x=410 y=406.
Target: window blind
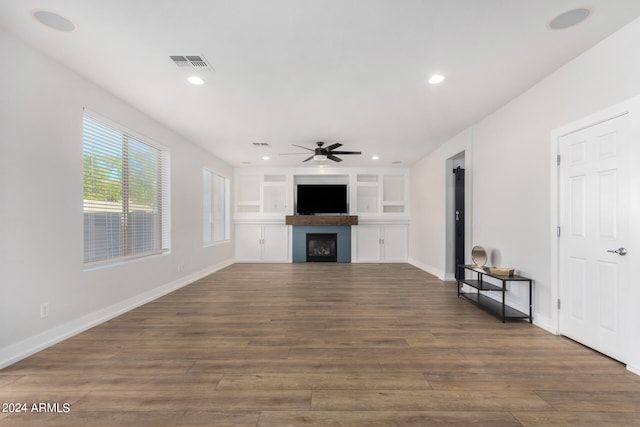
x=126 y=194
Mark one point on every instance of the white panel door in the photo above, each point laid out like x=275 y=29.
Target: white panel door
x=248 y=242
x=394 y=243
x=275 y=243
x=368 y=240
x=593 y=199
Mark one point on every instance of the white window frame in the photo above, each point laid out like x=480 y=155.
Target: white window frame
x=140 y=229
x=216 y=221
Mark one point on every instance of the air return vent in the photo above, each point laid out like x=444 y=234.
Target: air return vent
x=197 y=61
x=191 y=62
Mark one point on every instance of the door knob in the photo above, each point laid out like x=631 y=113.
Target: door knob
x=620 y=251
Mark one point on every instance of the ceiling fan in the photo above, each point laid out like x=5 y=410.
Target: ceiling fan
x=321 y=153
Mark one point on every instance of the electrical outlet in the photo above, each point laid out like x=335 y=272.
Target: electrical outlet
x=181 y=267
x=44 y=310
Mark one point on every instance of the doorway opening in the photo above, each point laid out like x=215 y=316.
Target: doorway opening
x=458 y=218
x=458 y=207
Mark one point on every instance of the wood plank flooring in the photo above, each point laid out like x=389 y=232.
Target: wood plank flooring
x=319 y=345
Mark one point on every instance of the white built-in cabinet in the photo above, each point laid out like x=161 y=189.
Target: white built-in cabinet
x=381 y=193
x=262 y=243
x=379 y=197
x=381 y=243
x=262 y=194
x=261 y=198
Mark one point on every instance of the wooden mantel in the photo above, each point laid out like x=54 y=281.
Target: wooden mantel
x=321 y=220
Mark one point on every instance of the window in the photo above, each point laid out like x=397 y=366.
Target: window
x=216 y=208
x=126 y=194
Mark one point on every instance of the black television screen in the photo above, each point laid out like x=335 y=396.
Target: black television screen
x=322 y=199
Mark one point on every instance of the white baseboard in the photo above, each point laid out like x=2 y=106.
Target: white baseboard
x=545 y=323
x=633 y=369
x=428 y=268
x=449 y=277
x=25 y=348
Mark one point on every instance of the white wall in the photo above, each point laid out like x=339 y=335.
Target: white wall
x=41 y=236
x=511 y=167
x=428 y=194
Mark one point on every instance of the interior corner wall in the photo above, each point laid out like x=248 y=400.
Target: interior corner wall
x=41 y=191
x=511 y=169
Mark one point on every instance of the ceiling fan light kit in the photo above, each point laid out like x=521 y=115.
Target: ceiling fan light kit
x=322 y=153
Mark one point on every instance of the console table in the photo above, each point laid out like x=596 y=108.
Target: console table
x=481 y=285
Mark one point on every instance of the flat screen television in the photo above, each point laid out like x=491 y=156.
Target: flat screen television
x=322 y=199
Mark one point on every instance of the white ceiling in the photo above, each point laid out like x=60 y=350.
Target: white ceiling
x=299 y=71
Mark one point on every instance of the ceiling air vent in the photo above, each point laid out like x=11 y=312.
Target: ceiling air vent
x=197 y=61
x=191 y=62
x=260 y=144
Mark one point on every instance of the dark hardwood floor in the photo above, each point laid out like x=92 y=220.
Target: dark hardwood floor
x=319 y=344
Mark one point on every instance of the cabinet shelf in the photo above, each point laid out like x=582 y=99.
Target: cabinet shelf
x=492 y=306
x=496 y=307
x=482 y=285
x=258 y=194
x=381 y=194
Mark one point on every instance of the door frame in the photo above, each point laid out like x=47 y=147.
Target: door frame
x=459 y=216
x=631 y=107
x=462 y=159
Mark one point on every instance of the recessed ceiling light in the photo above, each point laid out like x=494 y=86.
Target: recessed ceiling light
x=53 y=20
x=266 y=158
x=436 y=79
x=195 y=80
x=375 y=157
x=569 y=18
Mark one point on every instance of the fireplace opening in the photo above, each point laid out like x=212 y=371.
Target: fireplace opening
x=322 y=247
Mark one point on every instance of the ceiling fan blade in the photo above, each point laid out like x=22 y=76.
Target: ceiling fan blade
x=321 y=152
x=346 y=152
x=291 y=154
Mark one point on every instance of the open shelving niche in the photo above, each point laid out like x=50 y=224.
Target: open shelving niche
x=381 y=193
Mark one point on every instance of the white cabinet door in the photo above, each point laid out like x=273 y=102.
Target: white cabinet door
x=394 y=243
x=368 y=239
x=255 y=243
x=275 y=243
x=386 y=243
x=248 y=242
